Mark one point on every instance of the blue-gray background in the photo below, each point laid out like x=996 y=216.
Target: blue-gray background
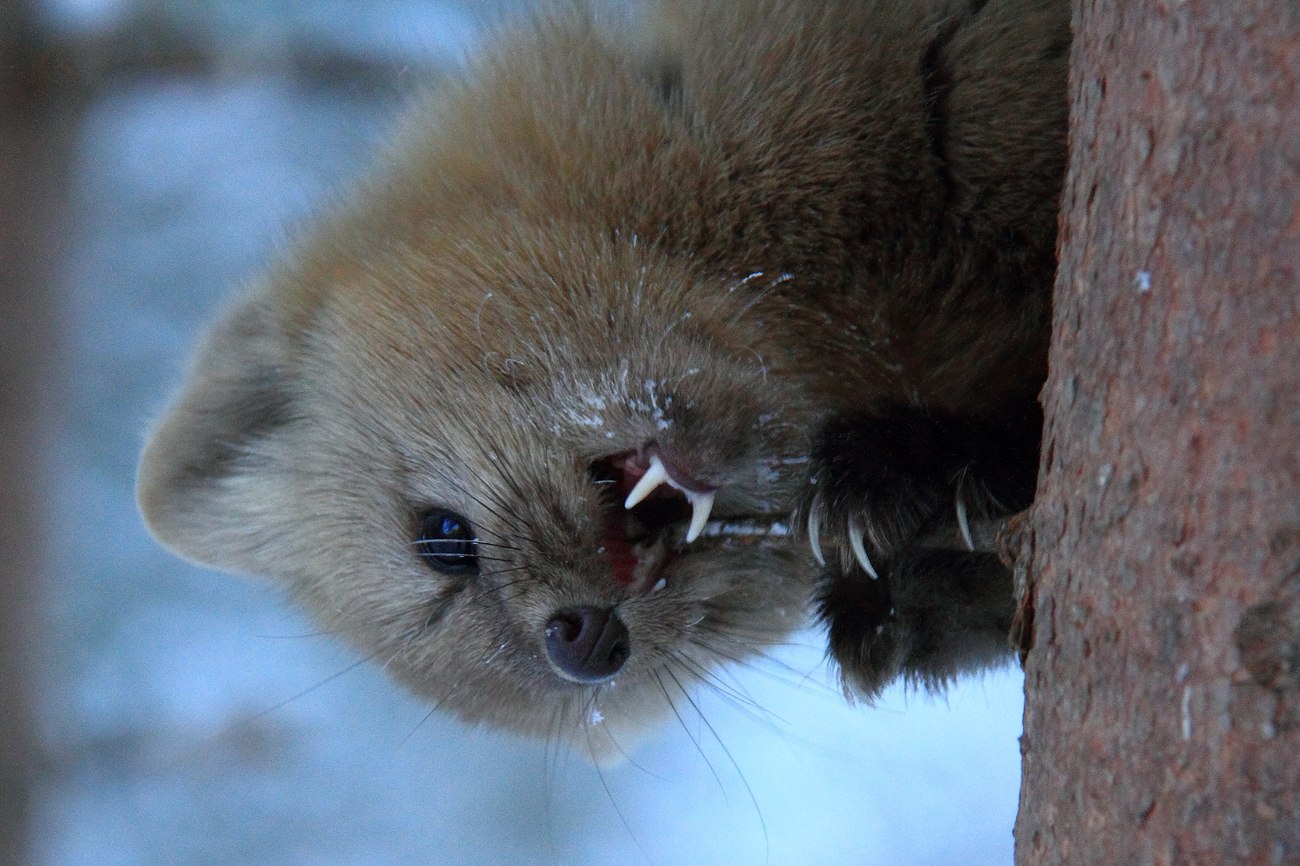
x=189 y=717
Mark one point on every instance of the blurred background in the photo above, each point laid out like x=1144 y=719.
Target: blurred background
x=153 y=155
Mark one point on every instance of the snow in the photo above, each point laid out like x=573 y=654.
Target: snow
x=194 y=718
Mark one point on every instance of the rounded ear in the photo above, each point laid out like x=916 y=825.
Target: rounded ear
x=212 y=483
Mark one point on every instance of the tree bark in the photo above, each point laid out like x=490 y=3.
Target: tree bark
x=1162 y=556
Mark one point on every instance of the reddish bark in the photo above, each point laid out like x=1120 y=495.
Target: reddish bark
x=1162 y=722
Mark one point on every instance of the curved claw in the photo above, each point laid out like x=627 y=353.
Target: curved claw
x=860 y=549
x=963 y=523
x=814 y=527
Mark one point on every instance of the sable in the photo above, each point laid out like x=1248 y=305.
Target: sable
x=646 y=335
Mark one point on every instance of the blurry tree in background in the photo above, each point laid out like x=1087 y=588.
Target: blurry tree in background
x=51 y=70
x=1162 y=720
x=29 y=199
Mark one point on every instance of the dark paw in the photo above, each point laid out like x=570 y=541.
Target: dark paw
x=878 y=481
x=934 y=615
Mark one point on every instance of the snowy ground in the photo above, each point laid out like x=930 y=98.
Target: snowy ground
x=192 y=719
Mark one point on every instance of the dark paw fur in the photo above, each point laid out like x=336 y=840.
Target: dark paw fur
x=933 y=615
x=883 y=486
x=878 y=481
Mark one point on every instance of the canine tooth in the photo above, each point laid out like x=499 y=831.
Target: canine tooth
x=962 y=523
x=701 y=505
x=656 y=473
x=659 y=584
x=860 y=550
x=814 y=527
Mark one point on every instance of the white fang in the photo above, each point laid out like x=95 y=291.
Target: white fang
x=656 y=473
x=860 y=550
x=701 y=505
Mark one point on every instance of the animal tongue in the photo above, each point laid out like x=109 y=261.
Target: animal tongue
x=638 y=565
x=618 y=550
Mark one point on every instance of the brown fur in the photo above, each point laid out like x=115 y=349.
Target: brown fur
x=713 y=232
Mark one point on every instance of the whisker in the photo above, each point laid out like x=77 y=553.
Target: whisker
x=600 y=774
x=681 y=721
x=326 y=681
x=331 y=632
x=513 y=485
x=512 y=596
x=802 y=679
x=739 y=699
x=383 y=623
x=471 y=556
x=588 y=714
x=503 y=571
x=512 y=522
x=478 y=541
x=433 y=711
x=767 y=842
x=550 y=773
x=450 y=693
x=504 y=586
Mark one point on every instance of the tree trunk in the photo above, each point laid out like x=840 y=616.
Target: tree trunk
x=1162 y=556
x=33 y=147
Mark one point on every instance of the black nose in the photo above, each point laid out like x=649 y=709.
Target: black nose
x=587 y=644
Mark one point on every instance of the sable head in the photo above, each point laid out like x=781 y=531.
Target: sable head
x=479 y=452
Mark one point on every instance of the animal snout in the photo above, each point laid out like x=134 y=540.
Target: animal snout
x=587 y=644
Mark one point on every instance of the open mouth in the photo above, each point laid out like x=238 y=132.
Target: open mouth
x=655 y=510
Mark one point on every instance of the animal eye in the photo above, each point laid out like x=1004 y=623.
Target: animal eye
x=446 y=542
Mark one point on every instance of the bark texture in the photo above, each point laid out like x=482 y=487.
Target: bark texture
x=1162 y=722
